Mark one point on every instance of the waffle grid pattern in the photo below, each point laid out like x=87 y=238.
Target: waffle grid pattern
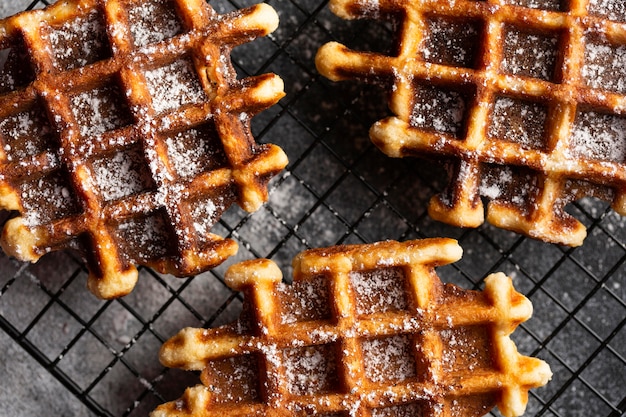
x=563 y=80
x=50 y=326
x=130 y=161
x=357 y=318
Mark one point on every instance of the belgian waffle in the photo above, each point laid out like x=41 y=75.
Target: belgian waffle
x=125 y=133
x=364 y=330
x=525 y=101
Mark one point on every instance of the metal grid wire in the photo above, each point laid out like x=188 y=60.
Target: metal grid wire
x=66 y=353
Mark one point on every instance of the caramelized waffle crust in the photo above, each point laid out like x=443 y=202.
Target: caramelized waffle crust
x=125 y=133
x=524 y=99
x=364 y=330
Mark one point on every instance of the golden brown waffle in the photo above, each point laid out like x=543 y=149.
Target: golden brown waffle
x=525 y=99
x=364 y=330
x=125 y=133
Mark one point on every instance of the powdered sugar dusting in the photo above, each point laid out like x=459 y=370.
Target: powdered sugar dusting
x=194 y=151
x=450 y=42
x=518 y=121
x=100 y=110
x=371 y=9
x=25 y=134
x=234 y=379
x=403 y=410
x=515 y=185
x=599 y=136
x=152 y=21
x=529 y=54
x=305 y=300
x=493 y=187
x=46 y=199
x=207 y=210
x=15 y=67
x=174 y=85
x=389 y=360
x=123 y=174
x=466 y=348
x=146 y=238
x=605 y=64
x=610 y=9
x=537 y=4
x=438 y=109
x=379 y=291
x=309 y=370
x=79 y=42
x=181 y=157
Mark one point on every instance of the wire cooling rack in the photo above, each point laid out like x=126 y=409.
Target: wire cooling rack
x=68 y=354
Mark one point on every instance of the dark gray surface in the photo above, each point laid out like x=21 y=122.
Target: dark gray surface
x=68 y=353
x=30 y=390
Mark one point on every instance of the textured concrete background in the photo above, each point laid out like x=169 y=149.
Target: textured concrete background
x=337 y=188
x=9 y=7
